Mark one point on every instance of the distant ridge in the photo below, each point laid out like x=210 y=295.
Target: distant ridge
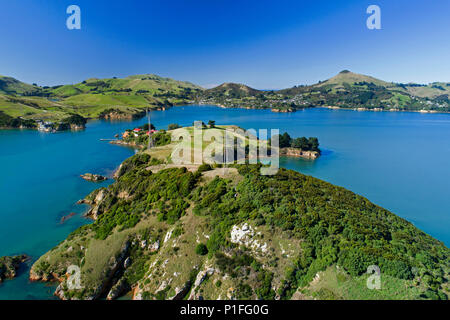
x=349 y=77
x=9 y=85
x=22 y=104
x=233 y=90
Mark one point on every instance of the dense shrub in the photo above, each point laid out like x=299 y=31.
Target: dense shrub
x=204 y=167
x=201 y=249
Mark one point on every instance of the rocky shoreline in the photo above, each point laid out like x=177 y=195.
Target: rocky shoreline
x=383 y=110
x=9 y=266
x=126 y=144
x=295 y=152
x=93 y=177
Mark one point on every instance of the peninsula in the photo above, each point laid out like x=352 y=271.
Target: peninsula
x=172 y=231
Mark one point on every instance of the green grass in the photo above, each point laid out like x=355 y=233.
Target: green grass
x=335 y=284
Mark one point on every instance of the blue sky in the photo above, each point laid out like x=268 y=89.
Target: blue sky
x=265 y=44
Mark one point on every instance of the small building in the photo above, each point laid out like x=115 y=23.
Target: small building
x=151 y=131
x=46 y=126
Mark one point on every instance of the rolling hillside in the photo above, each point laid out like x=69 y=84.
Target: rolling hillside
x=138 y=84
x=10 y=85
x=348 y=77
x=231 y=90
x=22 y=104
x=352 y=90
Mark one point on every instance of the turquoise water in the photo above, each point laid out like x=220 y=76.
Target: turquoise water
x=397 y=160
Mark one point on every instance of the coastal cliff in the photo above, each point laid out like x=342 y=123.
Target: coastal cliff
x=296 y=152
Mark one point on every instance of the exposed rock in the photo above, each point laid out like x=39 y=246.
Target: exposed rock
x=59 y=292
x=95 y=204
x=282 y=110
x=117 y=173
x=154 y=246
x=127 y=263
x=295 y=152
x=133 y=144
x=65 y=218
x=201 y=276
x=93 y=177
x=168 y=235
x=244 y=236
x=77 y=127
x=118 y=289
x=181 y=292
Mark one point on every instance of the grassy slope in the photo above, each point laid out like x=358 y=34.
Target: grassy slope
x=92 y=96
x=9 y=85
x=232 y=89
x=351 y=78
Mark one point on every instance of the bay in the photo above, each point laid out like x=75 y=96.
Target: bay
x=398 y=160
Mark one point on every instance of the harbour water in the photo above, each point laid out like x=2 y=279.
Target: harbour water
x=398 y=160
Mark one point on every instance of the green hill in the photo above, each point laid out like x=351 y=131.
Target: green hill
x=146 y=84
x=352 y=90
x=22 y=103
x=10 y=85
x=231 y=90
x=435 y=90
x=348 y=77
x=169 y=231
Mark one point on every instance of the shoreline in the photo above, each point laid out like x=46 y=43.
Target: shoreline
x=383 y=110
x=131 y=117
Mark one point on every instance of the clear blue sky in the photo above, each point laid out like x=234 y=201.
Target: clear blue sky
x=265 y=44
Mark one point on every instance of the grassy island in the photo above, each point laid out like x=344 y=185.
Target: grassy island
x=10 y=265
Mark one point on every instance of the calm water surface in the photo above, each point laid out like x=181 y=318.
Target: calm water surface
x=398 y=160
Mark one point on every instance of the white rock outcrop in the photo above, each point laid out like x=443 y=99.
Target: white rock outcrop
x=244 y=235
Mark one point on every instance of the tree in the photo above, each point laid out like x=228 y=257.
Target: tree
x=146 y=127
x=301 y=143
x=75 y=119
x=285 y=140
x=313 y=144
x=211 y=123
x=201 y=249
x=173 y=126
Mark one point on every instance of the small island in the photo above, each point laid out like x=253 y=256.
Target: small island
x=302 y=147
x=9 y=266
x=93 y=177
